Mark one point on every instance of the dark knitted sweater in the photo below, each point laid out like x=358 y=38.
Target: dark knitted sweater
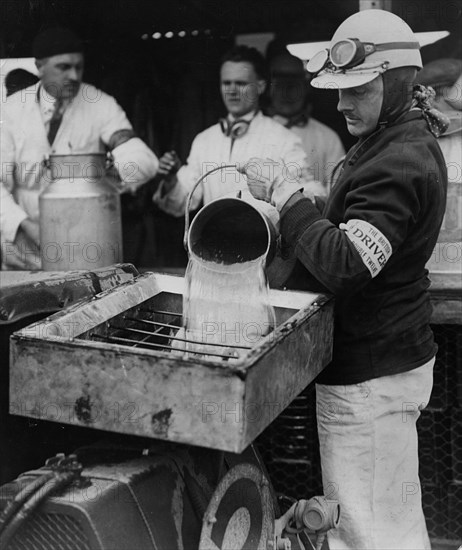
x=369 y=248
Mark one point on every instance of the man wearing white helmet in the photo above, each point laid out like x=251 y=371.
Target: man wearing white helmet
x=369 y=247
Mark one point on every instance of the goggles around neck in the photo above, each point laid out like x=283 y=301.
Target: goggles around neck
x=351 y=52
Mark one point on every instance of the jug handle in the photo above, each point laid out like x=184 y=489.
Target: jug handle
x=188 y=201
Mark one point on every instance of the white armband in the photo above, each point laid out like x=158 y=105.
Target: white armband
x=373 y=247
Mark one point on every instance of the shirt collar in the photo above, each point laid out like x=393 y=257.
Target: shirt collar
x=48 y=103
x=249 y=116
x=299 y=119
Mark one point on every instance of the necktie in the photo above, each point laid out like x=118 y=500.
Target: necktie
x=55 y=121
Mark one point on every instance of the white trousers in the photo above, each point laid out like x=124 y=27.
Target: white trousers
x=368 y=444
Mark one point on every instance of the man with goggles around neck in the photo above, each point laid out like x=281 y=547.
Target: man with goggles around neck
x=244 y=133
x=368 y=246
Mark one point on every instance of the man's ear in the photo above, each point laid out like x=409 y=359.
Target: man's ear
x=261 y=86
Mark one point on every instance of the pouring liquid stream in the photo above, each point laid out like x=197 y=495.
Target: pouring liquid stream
x=226 y=308
x=226 y=305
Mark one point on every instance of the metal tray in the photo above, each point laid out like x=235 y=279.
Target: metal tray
x=73 y=367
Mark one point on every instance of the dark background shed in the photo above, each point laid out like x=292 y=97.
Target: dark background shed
x=169 y=86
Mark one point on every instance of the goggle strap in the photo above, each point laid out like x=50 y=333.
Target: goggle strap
x=397 y=46
x=369 y=48
x=365 y=68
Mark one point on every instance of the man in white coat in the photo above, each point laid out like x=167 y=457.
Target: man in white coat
x=58 y=115
x=243 y=134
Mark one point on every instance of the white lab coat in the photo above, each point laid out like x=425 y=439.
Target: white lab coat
x=265 y=138
x=87 y=125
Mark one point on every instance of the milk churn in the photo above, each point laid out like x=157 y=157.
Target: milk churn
x=80 y=214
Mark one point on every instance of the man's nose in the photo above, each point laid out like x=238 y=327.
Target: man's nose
x=73 y=74
x=344 y=103
x=235 y=89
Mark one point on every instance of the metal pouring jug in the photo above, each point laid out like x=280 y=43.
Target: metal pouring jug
x=226 y=305
x=80 y=214
x=230 y=229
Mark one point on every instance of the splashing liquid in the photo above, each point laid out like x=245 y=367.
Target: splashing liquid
x=226 y=307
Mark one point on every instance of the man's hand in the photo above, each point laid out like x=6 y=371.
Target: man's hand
x=262 y=176
x=32 y=230
x=169 y=164
x=271 y=181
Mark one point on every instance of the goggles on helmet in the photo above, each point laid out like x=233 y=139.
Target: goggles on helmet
x=350 y=52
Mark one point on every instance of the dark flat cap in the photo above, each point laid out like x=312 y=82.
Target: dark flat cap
x=56 y=41
x=441 y=72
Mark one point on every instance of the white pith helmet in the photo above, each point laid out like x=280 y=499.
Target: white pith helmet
x=388 y=43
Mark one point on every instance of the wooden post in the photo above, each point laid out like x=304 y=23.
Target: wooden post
x=375 y=4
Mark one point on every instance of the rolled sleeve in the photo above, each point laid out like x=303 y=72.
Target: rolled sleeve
x=135 y=162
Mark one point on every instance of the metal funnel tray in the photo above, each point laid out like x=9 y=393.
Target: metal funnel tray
x=111 y=364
